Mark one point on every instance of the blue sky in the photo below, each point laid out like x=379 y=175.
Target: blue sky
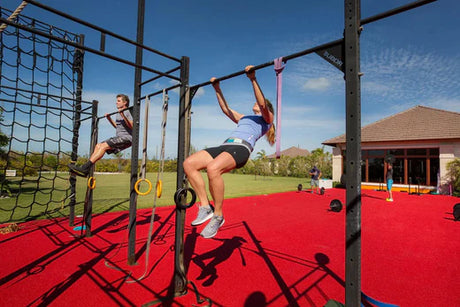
x=409 y=59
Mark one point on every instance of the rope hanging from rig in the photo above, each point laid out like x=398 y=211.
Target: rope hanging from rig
x=144 y=153
x=14 y=15
x=159 y=178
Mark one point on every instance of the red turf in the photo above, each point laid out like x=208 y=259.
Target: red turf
x=274 y=250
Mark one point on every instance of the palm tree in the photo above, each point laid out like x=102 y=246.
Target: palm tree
x=119 y=156
x=323 y=160
x=261 y=155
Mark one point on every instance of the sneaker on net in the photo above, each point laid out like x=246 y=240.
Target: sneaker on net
x=213 y=226
x=389 y=199
x=78 y=170
x=204 y=214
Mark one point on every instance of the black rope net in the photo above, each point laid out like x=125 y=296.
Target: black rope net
x=38 y=102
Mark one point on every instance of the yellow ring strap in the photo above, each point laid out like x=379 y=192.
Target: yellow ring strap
x=136 y=187
x=159 y=188
x=91 y=183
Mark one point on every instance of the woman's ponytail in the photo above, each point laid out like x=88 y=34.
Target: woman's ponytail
x=271 y=135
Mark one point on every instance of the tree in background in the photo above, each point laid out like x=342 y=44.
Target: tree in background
x=453 y=175
x=287 y=166
x=119 y=158
x=262 y=165
x=299 y=166
x=4 y=140
x=261 y=155
x=323 y=160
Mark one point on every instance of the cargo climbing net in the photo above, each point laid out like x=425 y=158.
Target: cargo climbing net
x=40 y=98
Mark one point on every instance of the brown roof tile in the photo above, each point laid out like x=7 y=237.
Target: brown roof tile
x=417 y=123
x=292 y=152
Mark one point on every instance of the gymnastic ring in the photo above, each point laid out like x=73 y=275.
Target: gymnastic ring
x=91 y=183
x=159 y=188
x=136 y=187
x=182 y=192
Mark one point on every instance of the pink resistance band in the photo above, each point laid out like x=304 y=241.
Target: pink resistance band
x=279 y=82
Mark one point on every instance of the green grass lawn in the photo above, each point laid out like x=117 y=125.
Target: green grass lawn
x=112 y=193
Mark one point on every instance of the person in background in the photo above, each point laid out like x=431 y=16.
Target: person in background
x=123 y=139
x=389 y=179
x=315 y=174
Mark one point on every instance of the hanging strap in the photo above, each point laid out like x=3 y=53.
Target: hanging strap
x=279 y=83
x=144 y=153
x=157 y=194
x=163 y=133
x=146 y=130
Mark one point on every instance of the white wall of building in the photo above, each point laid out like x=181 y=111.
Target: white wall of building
x=336 y=164
x=447 y=153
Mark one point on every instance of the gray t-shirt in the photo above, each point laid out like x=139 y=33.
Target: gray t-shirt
x=122 y=128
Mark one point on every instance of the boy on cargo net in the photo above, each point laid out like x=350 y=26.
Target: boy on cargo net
x=123 y=139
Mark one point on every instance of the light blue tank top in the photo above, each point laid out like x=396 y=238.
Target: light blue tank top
x=251 y=128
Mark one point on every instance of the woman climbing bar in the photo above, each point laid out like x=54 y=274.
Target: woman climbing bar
x=233 y=153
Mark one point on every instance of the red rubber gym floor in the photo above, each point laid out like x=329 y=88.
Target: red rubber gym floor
x=284 y=249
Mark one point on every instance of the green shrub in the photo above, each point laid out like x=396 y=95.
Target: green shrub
x=453 y=175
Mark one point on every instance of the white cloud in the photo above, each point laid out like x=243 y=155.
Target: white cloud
x=106 y=100
x=318 y=84
x=408 y=76
x=449 y=104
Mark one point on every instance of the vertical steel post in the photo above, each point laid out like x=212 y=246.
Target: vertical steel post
x=89 y=199
x=135 y=145
x=78 y=69
x=183 y=150
x=353 y=156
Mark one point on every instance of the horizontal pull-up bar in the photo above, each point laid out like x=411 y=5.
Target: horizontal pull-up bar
x=160 y=92
x=157 y=77
x=103 y=54
x=285 y=59
x=101 y=117
x=324 y=46
x=37 y=105
x=114 y=112
x=43 y=95
x=395 y=11
x=86 y=109
x=50 y=9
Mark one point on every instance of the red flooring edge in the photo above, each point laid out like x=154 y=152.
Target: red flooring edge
x=284 y=249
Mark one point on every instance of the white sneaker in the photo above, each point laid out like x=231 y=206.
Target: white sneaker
x=213 y=226
x=204 y=214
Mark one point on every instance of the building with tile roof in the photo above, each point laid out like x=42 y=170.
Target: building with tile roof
x=422 y=140
x=291 y=152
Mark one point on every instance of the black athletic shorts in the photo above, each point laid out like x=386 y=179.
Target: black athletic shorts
x=240 y=153
x=117 y=144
